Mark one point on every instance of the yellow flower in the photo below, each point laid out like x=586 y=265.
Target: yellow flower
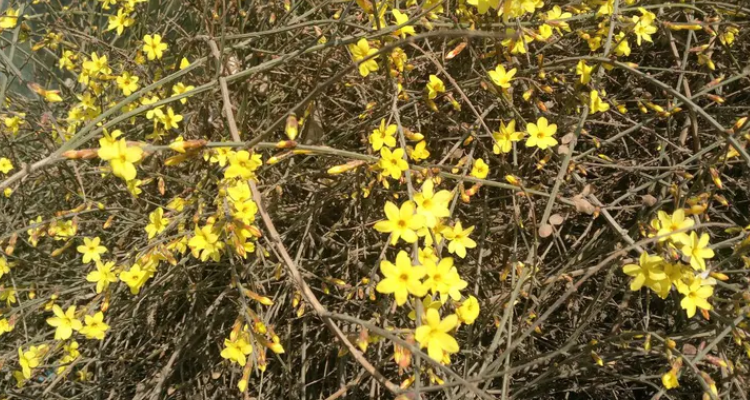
x=419 y=152
x=5 y=326
x=181 y=88
x=459 y=239
x=184 y=63
x=153 y=46
x=516 y=42
x=553 y=16
x=362 y=50
x=434 y=87
x=401 y=279
x=236 y=350
x=134 y=187
x=120 y=21
x=206 y=243
x=9 y=295
x=155 y=112
x=505 y=138
x=607 y=8
x=97 y=65
x=623 y=47
x=107 y=3
x=135 y=277
x=157 y=223
x=4 y=267
x=383 y=136
x=244 y=209
x=597 y=104
x=669 y=380
x=402 y=19
x=480 y=169
x=243 y=165
x=643 y=27
x=393 y=163
x=669 y=224
x=427 y=254
x=5 y=165
x=401 y=223
x=541 y=134
x=95 y=326
x=468 y=311
x=103 y=275
x=727 y=37
x=65 y=322
x=30 y=359
x=435 y=337
x=443 y=279
x=500 y=77
x=170 y=119
x=10 y=19
x=698 y=251
x=584 y=71
x=14 y=123
x=696 y=294
x=432 y=206
x=127 y=83
x=484 y=5
x=648 y=271
x=91 y=249
x=121 y=158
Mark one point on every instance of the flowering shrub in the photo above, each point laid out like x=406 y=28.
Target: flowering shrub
x=394 y=199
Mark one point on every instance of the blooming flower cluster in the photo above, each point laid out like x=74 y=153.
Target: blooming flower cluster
x=687 y=274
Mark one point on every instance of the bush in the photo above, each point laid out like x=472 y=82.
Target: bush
x=386 y=199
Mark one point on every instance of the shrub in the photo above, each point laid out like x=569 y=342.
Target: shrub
x=393 y=199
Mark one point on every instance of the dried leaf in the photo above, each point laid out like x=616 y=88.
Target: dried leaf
x=556 y=219
x=568 y=138
x=563 y=149
x=587 y=190
x=583 y=205
x=545 y=230
x=648 y=200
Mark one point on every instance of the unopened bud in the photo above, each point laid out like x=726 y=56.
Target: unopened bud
x=292 y=127
x=340 y=169
x=84 y=154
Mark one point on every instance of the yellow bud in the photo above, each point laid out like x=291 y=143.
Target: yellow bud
x=286 y=144
x=513 y=180
x=716 y=178
x=292 y=127
x=276 y=347
x=340 y=169
x=413 y=136
x=739 y=124
x=682 y=26
x=719 y=276
x=175 y=160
